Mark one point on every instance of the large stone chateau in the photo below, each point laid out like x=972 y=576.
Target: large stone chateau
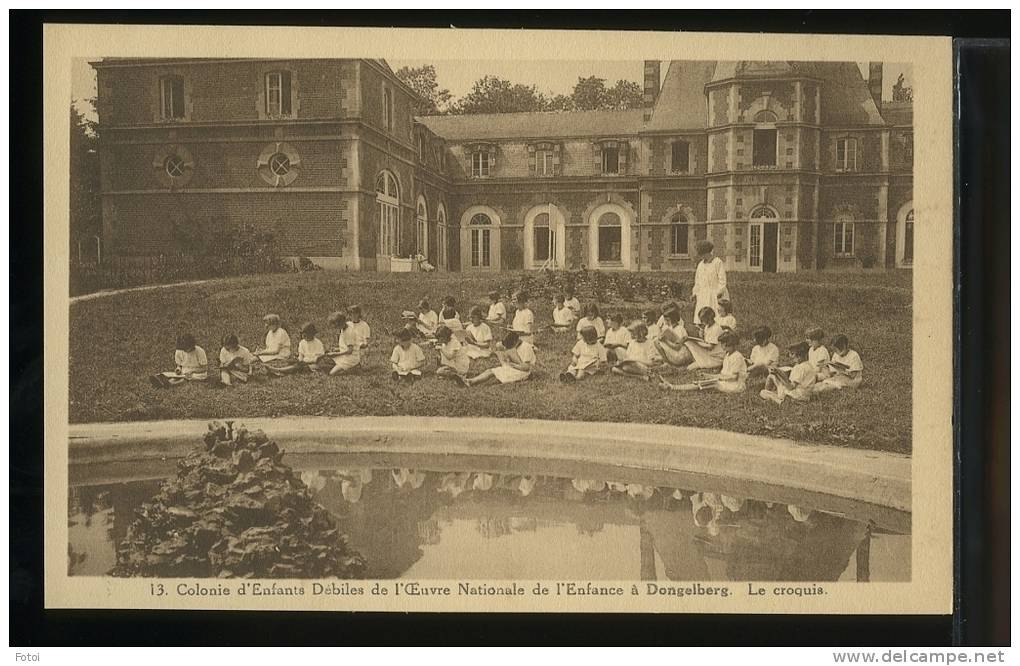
x=785 y=166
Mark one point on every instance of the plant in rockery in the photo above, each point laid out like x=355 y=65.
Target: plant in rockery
x=235 y=510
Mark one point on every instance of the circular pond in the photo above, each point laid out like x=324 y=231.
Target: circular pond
x=429 y=516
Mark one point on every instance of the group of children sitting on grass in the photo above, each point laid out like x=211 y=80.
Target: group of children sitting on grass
x=642 y=348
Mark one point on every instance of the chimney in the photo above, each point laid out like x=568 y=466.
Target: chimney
x=875 y=82
x=651 y=91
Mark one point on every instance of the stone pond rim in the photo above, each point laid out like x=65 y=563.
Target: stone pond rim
x=873 y=477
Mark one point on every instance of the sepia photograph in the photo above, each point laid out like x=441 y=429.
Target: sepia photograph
x=492 y=333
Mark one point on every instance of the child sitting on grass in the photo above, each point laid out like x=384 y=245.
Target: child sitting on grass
x=448 y=315
x=846 y=366
x=764 y=355
x=277 y=342
x=588 y=356
x=662 y=322
x=516 y=361
x=726 y=319
x=346 y=355
x=563 y=316
x=641 y=354
x=707 y=352
x=359 y=326
x=497 y=311
x=524 y=318
x=407 y=359
x=798 y=385
x=453 y=359
x=670 y=344
x=428 y=320
x=591 y=318
x=477 y=336
x=818 y=354
x=410 y=320
x=617 y=339
x=190 y=364
x=310 y=349
x=236 y=362
x=732 y=377
x=650 y=319
x=570 y=300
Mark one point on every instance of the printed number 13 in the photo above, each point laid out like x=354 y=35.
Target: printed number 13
x=156 y=590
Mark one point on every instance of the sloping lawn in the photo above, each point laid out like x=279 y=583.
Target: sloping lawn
x=117 y=341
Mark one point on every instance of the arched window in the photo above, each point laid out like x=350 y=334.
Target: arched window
x=387 y=202
x=544 y=237
x=441 y=236
x=421 y=223
x=679 y=235
x=762 y=247
x=610 y=240
x=481 y=241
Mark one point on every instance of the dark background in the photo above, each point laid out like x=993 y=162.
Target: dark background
x=981 y=367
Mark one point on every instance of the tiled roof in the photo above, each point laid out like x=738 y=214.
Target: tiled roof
x=552 y=124
x=682 y=104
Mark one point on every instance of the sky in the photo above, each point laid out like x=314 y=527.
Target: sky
x=551 y=76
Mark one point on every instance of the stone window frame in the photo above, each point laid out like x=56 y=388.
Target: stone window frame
x=285 y=100
x=389 y=108
x=672 y=155
x=845 y=165
x=262 y=94
x=266 y=164
x=486 y=166
x=844 y=218
x=536 y=152
x=162 y=173
x=686 y=213
x=161 y=82
x=622 y=147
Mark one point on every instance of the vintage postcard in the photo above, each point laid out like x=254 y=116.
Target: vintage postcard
x=483 y=320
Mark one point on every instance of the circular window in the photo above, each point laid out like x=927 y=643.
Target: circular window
x=174 y=166
x=279 y=164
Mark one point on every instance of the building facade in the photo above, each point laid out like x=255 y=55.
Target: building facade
x=785 y=166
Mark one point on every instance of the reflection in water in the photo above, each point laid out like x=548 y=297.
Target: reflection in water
x=481 y=525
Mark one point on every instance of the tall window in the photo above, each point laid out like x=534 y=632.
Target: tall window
x=421 y=239
x=387 y=202
x=908 y=238
x=544 y=238
x=388 y=109
x=544 y=162
x=908 y=147
x=764 y=148
x=610 y=238
x=480 y=164
x=843 y=235
x=171 y=93
x=278 y=94
x=681 y=157
x=679 y=235
x=610 y=158
x=481 y=238
x=759 y=217
x=441 y=237
x=846 y=154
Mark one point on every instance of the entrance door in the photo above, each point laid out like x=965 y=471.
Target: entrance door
x=770 y=248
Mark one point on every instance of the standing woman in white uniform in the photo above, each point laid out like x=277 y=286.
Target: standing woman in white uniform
x=709 y=280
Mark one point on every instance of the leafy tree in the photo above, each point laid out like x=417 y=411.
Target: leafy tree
x=433 y=99
x=591 y=94
x=85 y=208
x=492 y=94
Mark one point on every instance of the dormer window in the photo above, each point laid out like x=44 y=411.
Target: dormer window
x=483 y=160
x=544 y=159
x=278 y=94
x=171 y=93
x=611 y=156
x=680 y=157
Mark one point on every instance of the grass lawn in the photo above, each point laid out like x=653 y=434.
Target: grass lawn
x=117 y=341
